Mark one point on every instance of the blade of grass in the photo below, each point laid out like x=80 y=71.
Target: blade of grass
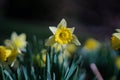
x=53 y=76
x=71 y=71
x=67 y=72
x=48 y=68
x=33 y=73
x=3 y=76
x=8 y=74
x=25 y=72
x=19 y=74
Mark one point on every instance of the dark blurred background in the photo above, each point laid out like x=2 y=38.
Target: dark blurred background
x=92 y=18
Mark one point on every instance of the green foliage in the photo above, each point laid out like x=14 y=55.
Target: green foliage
x=31 y=65
x=27 y=67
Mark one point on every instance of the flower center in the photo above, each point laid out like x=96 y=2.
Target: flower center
x=63 y=36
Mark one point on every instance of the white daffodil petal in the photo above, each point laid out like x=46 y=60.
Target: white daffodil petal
x=20 y=41
x=62 y=23
x=75 y=40
x=50 y=41
x=118 y=30
x=13 y=36
x=22 y=37
x=8 y=43
x=12 y=64
x=117 y=35
x=53 y=29
x=72 y=29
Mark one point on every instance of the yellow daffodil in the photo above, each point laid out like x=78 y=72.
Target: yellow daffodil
x=117 y=62
x=44 y=52
x=69 y=51
x=91 y=45
x=4 y=54
x=15 y=44
x=62 y=35
x=17 y=41
x=40 y=59
x=115 y=40
x=12 y=57
x=71 y=48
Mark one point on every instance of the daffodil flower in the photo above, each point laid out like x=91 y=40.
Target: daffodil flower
x=17 y=41
x=40 y=58
x=16 y=44
x=12 y=57
x=91 y=45
x=4 y=54
x=115 y=40
x=62 y=35
x=70 y=50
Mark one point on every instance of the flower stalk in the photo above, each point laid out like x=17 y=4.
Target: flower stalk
x=96 y=71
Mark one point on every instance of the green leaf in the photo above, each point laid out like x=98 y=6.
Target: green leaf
x=19 y=74
x=67 y=70
x=48 y=76
x=53 y=76
x=48 y=63
x=25 y=72
x=8 y=74
x=48 y=68
x=2 y=72
x=33 y=73
x=71 y=71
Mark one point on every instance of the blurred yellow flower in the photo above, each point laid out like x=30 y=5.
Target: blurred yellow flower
x=62 y=35
x=71 y=48
x=68 y=52
x=40 y=59
x=44 y=53
x=56 y=47
x=115 y=40
x=117 y=62
x=16 y=44
x=17 y=41
x=12 y=57
x=4 y=54
x=91 y=45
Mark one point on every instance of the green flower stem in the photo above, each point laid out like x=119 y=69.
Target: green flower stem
x=96 y=71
